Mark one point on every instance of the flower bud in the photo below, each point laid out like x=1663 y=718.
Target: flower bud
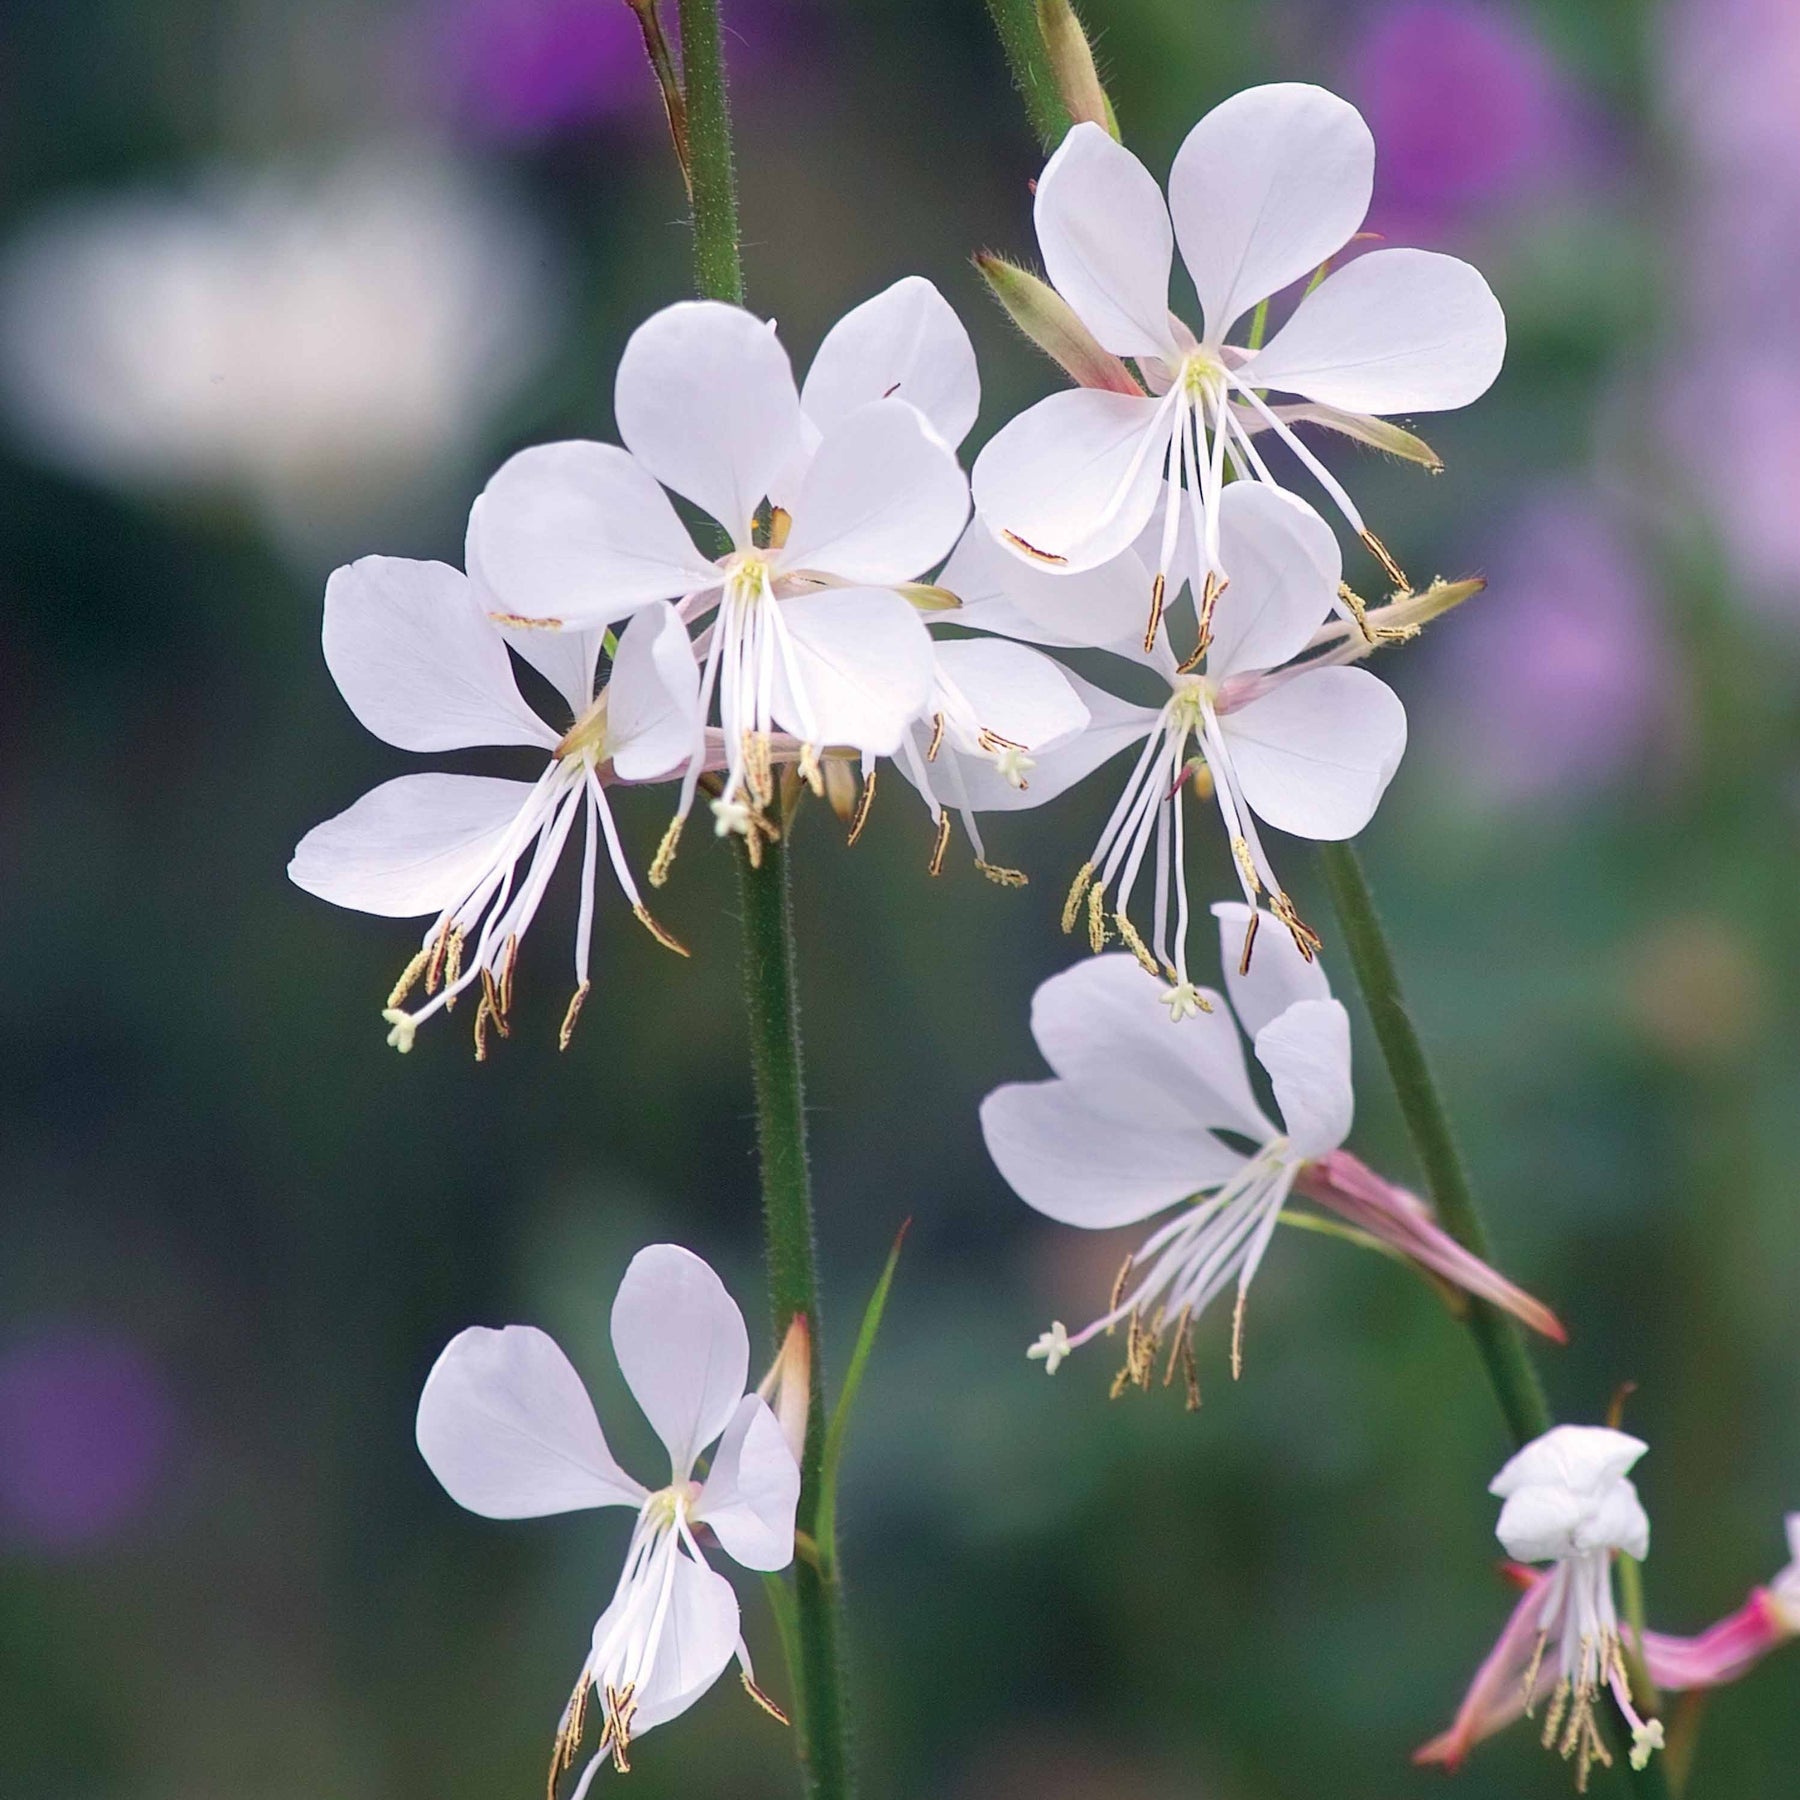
x=1050 y=322
x=1072 y=64
x=788 y=1385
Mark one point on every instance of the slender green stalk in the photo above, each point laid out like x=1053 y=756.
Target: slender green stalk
x=718 y=267
x=1022 y=38
x=775 y=1058
x=1501 y=1343
x=1510 y=1369
x=774 y=1017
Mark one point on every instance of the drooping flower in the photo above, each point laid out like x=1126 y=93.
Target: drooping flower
x=807 y=632
x=507 y=1427
x=1131 y=1125
x=1306 y=746
x=1567 y=1501
x=423 y=666
x=1268 y=186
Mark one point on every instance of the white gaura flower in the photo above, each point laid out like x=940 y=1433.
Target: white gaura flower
x=1306 y=746
x=1131 y=1126
x=1267 y=187
x=825 y=521
x=508 y=1428
x=414 y=652
x=1569 y=1502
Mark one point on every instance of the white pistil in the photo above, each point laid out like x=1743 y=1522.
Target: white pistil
x=1051 y=1347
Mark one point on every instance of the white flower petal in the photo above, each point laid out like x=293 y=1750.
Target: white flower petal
x=752 y=1489
x=906 y=344
x=1315 y=754
x=978 y=786
x=418 y=660
x=1284 y=569
x=566 y=659
x=1306 y=1050
x=682 y=1349
x=1018 y=694
x=1104 y=1026
x=1618 y=1522
x=1396 y=331
x=1107 y=246
x=1538 y=1524
x=1586 y=1459
x=1072 y=480
x=506 y=1425
x=864 y=660
x=652 y=696
x=411 y=846
x=1267 y=185
x=882 y=500
x=1105 y=607
x=699 y=1639
x=1082 y=1168
x=705 y=400
x=579 y=533
x=1279 y=975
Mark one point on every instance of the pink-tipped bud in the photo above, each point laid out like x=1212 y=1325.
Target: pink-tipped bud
x=1050 y=322
x=788 y=1385
x=1072 y=64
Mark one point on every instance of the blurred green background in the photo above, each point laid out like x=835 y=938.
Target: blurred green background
x=278 y=286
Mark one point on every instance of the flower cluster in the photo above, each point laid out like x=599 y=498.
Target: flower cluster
x=768 y=586
x=800 y=637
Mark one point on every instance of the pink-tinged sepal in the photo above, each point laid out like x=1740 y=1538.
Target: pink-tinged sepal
x=1723 y=1652
x=1351 y=1189
x=1496 y=1696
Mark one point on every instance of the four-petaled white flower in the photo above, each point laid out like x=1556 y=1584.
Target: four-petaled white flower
x=1307 y=746
x=508 y=1428
x=422 y=665
x=828 y=510
x=1130 y=1126
x=1268 y=186
x=1568 y=1501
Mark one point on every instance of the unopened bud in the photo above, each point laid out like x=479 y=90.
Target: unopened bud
x=1050 y=322
x=788 y=1385
x=928 y=598
x=1378 y=434
x=1405 y=614
x=1072 y=63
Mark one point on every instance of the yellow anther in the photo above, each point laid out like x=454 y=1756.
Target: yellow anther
x=1012 y=878
x=661 y=933
x=567 y=1033
x=1385 y=557
x=1096 y=911
x=1128 y=932
x=862 y=808
x=1157 y=590
x=762 y=1699
x=1077 y=889
x=665 y=853
x=936 y=865
x=409 y=979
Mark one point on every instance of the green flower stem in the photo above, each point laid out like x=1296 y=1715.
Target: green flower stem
x=774 y=1018
x=1501 y=1343
x=1022 y=38
x=1504 y=1353
x=775 y=1059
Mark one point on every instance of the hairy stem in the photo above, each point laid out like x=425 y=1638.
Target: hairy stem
x=775 y=1059
x=718 y=267
x=1504 y=1353
x=1022 y=38
x=1510 y=1370
x=774 y=1018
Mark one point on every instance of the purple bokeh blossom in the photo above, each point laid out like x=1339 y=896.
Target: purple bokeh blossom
x=1468 y=109
x=515 y=71
x=1559 y=679
x=87 y=1424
